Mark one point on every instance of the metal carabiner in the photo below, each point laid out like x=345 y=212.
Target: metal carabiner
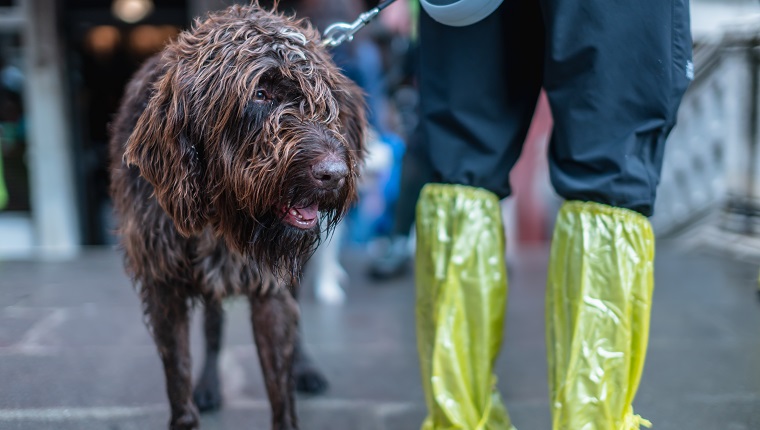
x=343 y=32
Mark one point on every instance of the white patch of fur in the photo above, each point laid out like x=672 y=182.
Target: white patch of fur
x=289 y=52
x=293 y=35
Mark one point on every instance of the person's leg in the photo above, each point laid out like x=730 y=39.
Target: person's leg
x=478 y=89
x=599 y=294
x=615 y=74
x=461 y=299
x=415 y=173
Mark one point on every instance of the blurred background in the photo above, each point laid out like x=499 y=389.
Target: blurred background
x=64 y=63
x=66 y=307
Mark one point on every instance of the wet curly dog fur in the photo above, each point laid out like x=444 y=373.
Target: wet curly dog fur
x=228 y=150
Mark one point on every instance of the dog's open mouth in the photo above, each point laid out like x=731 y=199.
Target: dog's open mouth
x=303 y=218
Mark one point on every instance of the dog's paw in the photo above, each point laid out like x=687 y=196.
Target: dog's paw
x=189 y=420
x=310 y=381
x=207 y=395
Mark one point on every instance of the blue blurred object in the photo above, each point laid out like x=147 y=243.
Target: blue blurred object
x=373 y=215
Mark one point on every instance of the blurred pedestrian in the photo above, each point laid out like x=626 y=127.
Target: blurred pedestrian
x=413 y=171
x=395 y=259
x=614 y=73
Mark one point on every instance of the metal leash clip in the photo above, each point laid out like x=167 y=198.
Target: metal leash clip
x=343 y=32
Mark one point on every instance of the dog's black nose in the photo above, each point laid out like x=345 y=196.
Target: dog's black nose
x=329 y=171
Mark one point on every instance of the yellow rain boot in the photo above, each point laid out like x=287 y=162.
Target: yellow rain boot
x=461 y=300
x=599 y=295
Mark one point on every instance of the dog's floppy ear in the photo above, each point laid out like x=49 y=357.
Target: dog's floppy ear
x=352 y=116
x=161 y=147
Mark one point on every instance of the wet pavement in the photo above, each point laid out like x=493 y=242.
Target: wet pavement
x=74 y=353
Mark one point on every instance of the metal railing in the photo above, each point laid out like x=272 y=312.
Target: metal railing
x=710 y=188
x=693 y=176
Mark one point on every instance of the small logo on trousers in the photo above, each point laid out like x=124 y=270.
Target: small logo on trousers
x=689 y=70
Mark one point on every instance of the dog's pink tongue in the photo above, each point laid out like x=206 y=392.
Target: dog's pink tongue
x=308 y=213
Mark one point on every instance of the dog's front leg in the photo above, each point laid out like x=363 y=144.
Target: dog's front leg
x=207 y=394
x=275 y=327
x=168 y=318
x=308 y=378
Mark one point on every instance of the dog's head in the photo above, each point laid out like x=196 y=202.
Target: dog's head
x=252 y=129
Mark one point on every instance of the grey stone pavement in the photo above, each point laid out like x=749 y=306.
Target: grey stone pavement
x=74 y=353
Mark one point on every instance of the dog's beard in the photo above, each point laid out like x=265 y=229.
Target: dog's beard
x=277 y=244
x=282 y=248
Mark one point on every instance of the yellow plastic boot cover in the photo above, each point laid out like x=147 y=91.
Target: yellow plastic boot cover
x=599 y=295
x=461 y=297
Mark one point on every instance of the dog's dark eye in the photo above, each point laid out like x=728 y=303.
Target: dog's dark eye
x=262 y=96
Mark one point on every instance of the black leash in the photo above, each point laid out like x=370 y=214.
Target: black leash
x=343 y=32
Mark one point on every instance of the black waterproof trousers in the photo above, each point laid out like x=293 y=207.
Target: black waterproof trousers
x=614 y=72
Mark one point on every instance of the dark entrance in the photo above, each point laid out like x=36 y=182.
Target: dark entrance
x=103 y=52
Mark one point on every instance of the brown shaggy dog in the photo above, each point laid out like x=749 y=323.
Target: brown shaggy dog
x=228 y=148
